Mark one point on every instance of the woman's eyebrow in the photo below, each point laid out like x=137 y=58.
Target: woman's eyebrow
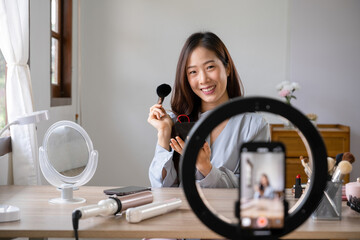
x=209 y=61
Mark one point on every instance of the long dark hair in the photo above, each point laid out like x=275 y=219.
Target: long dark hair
x=184 y=100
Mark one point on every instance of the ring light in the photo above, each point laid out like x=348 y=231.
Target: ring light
x=234 y=107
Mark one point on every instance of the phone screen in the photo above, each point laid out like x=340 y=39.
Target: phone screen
x=262 y=185
x=122 y=191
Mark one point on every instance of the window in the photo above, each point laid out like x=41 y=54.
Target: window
x=61 y=52
x=2 y=91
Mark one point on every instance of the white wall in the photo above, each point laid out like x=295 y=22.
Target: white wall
x=130 y=47
x=325 y=60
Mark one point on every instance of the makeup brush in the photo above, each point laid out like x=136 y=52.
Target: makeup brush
x=339 y=158
x=305 y=163
x=348 y=156
x=343 y=168
x=162 y=91
x=331 y=163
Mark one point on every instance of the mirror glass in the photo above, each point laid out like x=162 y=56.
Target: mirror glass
x=67 y=151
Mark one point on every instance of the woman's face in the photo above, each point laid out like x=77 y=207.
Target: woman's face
x=264 y=181
x=207 y=78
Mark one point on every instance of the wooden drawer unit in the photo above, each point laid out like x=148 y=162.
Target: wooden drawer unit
x=336 y=138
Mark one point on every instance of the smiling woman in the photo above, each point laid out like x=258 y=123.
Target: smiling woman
x=206 y=77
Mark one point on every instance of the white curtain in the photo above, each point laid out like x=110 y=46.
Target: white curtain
x=14 y=44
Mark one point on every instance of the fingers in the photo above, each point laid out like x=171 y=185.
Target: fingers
x=156 y=106
x=203 y=163
x=207 y=148
x=157 y=112
x=177 y=144
x=204 y=153
x=180 y=141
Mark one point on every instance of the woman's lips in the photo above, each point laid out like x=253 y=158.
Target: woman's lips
x=208 y=90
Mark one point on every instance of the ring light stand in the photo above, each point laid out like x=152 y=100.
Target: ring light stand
x=234 y=107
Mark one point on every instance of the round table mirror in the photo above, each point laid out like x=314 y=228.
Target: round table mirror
x=67 y=159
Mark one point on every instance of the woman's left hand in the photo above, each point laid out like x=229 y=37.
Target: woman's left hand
x=177 y=144
x=203 y=163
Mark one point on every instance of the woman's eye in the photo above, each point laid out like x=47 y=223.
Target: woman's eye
x=210 y=67
x=192 y=72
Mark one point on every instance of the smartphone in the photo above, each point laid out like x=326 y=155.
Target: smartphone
x=122 y=191
x=182 y=129
x=262 y=186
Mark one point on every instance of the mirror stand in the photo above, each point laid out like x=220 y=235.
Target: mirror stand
x=67 y=195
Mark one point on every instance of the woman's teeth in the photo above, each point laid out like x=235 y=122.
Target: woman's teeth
x=208 y=89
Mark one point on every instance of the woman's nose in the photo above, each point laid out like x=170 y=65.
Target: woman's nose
x=203 y=78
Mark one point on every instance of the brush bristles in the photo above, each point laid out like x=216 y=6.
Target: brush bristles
x=163 y=90
x=331 y=163
x=304 y=160
x=344 y=167
x=348 y=156
x=339 y=158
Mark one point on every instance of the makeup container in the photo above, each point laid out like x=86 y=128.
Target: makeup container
x=352 y=191
x=298 y=187
x=330 y=204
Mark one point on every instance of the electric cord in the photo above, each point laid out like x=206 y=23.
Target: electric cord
x=76 y=215
x=110 y=206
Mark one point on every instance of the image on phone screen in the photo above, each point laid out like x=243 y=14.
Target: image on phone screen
x=262 y=185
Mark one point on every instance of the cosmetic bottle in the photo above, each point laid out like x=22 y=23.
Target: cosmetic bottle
x=298 y=188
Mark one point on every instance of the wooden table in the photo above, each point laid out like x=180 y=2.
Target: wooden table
x=40 y=219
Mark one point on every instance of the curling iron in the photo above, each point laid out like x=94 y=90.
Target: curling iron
x=111 y=206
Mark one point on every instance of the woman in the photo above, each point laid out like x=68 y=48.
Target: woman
x=264 y=189
x=206 y=77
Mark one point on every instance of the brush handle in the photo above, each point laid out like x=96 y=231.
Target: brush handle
x=337 y=176
x=160 y=100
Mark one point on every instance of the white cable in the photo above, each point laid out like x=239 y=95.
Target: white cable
x=7 y=126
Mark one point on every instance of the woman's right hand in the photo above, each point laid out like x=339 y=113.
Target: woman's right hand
x=160 y=120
